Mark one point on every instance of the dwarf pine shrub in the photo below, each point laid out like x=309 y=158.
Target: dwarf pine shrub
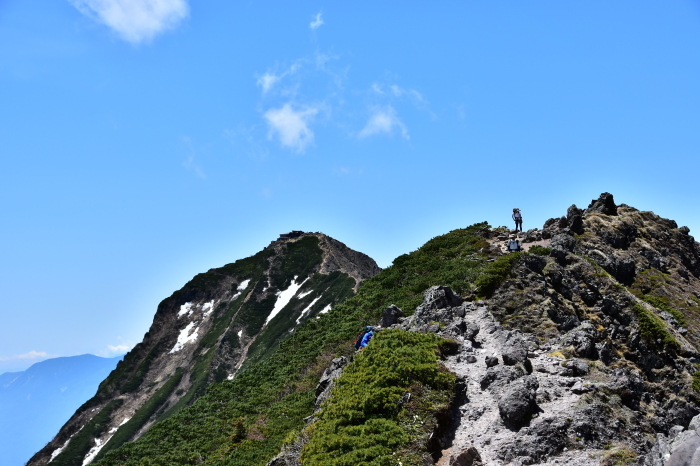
x=361 y=422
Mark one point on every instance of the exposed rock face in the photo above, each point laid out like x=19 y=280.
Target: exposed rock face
x=206 y=331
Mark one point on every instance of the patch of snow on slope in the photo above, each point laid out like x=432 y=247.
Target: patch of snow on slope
x=243 y=285
x=185 y=309
x=59 y=450
x=304 y=294
x=240 y=332
x=325 y=309
x=114 y=429
x=185 y=337
x=283 y=298
x=94 y=451
x=208 y=307
x=303 y=313
x=235 y=296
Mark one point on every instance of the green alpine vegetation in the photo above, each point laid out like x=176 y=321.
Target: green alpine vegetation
x=246 y=420
x=378 y=405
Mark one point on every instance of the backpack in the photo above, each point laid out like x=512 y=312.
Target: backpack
x=360 y=336
x=517 y=215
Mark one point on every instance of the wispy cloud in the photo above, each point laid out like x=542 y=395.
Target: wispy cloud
x=383 y=120
x=291 y=126
x=268 y=80
x=135 y=21
x=190 y=162
x=118 y=349
x=29 y=355
x=317 y=22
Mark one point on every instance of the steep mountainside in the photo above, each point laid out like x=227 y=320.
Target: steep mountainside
x=218 y=322
x=36 y=402
x=581 y=349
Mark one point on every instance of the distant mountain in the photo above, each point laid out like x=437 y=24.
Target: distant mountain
x=218 y=323
x=35 y=403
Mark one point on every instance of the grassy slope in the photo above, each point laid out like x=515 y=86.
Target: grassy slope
x=245 y=421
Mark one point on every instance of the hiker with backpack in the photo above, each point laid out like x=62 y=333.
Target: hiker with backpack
x=513 y=244
x=365 y=336
x=518 y=217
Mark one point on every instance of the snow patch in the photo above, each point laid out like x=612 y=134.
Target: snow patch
x=57 y=451
x=114 y=429
x=240 y=332
x=235 y=296
x=303 y=313
x=94 y=451
x=208 y=307
x=283 y=298
x=187 y=335
x=230 y=377
x=243 y=285
x=304 y=294
x=325 y=309
x=185 y=309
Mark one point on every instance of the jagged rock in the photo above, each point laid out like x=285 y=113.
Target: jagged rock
x=582 y=341
x=391 y=315
x=470 y=331
x=323 y=389
x=491 y=361
x=629 y=385
x=564 y=242
x=604 y=351
x=440 y=297
x=575 y=219
x=514 y=349
x=469 y=457
x=518 y=401
x=497 y=377
x=574 y=368
x=605 y=204
x=545 y=437
x=579 y=387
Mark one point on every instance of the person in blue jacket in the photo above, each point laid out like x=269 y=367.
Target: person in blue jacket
x=366 y=338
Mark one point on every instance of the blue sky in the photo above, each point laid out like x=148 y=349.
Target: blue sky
x=143 y=142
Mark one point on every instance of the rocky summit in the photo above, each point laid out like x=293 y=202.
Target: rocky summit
x=579 y=349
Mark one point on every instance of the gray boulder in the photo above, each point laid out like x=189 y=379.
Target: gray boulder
x=574 y=368
x=390 y=316
x=518 y=401
x=514 y=349
x=469 y=457
x=440 y=297
x=497 y=377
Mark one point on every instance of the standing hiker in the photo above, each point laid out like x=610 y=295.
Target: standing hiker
x=518 y=217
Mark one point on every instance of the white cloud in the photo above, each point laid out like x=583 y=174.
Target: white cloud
x=135 y=20
x=291 y=126
x=118 y=349
x=29 y=355
x=267 y=80
x=383 y=120
x=317 y=22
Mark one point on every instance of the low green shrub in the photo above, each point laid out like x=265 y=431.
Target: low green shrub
x=540 y=250
x=361 y=422
x=653 y=328
x=495 y=273
x=663 y=304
